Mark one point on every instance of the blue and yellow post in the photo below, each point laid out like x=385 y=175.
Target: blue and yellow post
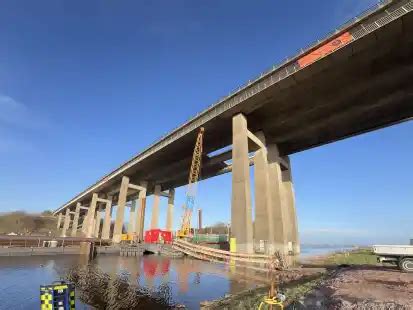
x=59 y=295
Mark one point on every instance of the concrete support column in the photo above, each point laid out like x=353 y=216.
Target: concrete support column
x=97 y=224
x=155 y=207
x=292 y=234
x=132 y=218
x=120 y=213
x=241 y=217
x=276 y=193
x=59 y=220
x=264 y=230
x=106 y=221
x=170 y=212
x=90 y=217
x=84 y=223
x=76 y=220
x=66 y=222
x=140 y=219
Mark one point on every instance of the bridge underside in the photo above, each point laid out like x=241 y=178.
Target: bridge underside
x=364 y=85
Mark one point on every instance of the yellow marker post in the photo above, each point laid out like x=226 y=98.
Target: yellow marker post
x=233 y=245
x=232 y=249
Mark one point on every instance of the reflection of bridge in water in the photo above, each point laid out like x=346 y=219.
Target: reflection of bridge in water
x=152 y=271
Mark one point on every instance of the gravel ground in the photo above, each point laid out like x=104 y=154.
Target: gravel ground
x=362 y=287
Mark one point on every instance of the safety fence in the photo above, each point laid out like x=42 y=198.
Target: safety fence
x=39 y=241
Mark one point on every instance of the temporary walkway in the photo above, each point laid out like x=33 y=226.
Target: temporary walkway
x=252 y=261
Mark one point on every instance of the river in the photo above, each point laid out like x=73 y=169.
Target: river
x=188 y=281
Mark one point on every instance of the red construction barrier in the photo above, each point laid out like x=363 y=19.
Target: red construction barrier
x=158 y=236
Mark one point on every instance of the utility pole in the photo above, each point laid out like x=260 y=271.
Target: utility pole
x=199 y=219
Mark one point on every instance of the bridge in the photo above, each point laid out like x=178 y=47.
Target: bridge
x=355 y=80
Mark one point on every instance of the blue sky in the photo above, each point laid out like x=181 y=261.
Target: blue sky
x=84 y=85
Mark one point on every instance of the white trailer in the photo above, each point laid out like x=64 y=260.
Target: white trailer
x=402 y=255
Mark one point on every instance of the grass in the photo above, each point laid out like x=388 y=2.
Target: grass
x=251 y=299
x=356 y=257
x=22 y=222
x=295 y=292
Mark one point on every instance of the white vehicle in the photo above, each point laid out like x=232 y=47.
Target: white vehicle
x=402 y=255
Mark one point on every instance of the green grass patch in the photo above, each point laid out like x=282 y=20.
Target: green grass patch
x=357 y=257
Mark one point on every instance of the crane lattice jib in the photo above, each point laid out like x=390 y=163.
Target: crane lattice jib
x=192 y=180
x=196 y=158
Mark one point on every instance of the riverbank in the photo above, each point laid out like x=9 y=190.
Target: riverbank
x=347 y=280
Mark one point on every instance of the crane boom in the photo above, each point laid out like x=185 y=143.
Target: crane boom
x=194 y=172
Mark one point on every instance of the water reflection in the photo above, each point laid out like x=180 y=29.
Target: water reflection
x=190 y=281
x=103 y=291
x=168 y=281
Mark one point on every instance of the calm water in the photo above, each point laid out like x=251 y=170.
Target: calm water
x=309 y=251
x=189 y=281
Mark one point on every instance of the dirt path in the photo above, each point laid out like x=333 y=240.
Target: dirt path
x=363 y=287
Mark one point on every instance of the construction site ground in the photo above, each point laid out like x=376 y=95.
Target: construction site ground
x=322 y=284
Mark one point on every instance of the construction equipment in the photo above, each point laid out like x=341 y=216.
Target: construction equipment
x=194 y=172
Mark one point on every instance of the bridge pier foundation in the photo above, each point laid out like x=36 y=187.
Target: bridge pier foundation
x=170 y=212
x=140 y=219
x=76 y=220
x=241 y=215
x=155 y=207
x=107 y=219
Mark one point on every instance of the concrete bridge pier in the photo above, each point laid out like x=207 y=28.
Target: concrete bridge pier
x=170 y=212
x=263 y=228
x=140 y=219
x=120 y=212
x=275 y=217
x=292 y=234
x=88 y=223
x=155 y=207
x=280 y=214
x=59 y=220
x=75 y=220
x=241 y=215
x=107 y=219
x=66 y=223
x=132 y=217
x=97 y=223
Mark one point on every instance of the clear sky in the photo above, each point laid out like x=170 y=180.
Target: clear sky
x=84 y=85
